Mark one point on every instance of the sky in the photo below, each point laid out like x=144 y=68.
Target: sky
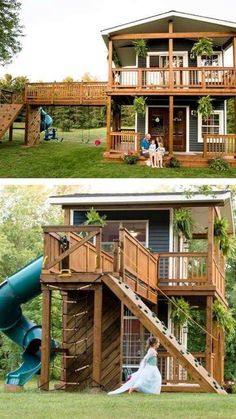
x=62 y=37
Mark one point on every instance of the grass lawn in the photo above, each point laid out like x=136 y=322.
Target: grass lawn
x=77 y=158
x=59 y=405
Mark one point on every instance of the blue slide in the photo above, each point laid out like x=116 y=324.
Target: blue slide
x=46 y=121
x=18 y=289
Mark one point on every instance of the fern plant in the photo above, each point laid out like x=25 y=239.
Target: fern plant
x=183 y=222
x=180 y=311
x=140 y=105
x=141 y=47
x=205 y=107
x=93 y=217
x=203 y=46
x=224 y=318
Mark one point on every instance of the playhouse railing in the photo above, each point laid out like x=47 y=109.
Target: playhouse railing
x=76 y=248
x=218 y=145
x=125 y=141
x=137 y=265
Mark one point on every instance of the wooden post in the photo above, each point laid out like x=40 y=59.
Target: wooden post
x=116 y=263
x=11 y=133
x=171 y=75
x=97 y=337
x=122 y=252
x=210 y=250
x=98 y=251
x=109 y=145
x=221 y=355
x=209 y=328
x=234 y=62
x=171 y=124
x=110 y=53
x=46 y=339
x=67 y=216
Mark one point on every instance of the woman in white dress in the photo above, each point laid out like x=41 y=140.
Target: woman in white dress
x=148 y=378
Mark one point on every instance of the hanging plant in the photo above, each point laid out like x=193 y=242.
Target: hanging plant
x=227 y=243
x=116 y=59
x=140 y=105
x=205 y=107
x=203 y=46
x=183 y=222
x=224 y=318
x=93 y=217
x=180 y=311
x=141 y=47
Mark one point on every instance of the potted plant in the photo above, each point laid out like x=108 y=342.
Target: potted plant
x=205 y=107
x=183 y=223
x=93 y=217
x=131 y=157
x=226 y=243
x=224 y=318
x=204 y=46
x=140 y=105
x=141 y=47
x=180 y=311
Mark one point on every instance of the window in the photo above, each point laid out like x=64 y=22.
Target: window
x=214 y=61
x=213 y=125
x=138 y=229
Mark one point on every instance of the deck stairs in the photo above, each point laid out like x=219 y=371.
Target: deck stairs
x=151 y=322
x=8 y=114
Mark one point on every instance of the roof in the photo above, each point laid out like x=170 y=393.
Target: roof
x=168 y=15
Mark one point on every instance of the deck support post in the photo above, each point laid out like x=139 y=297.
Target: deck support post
x=210 y=249
x=10 y=138
x=97 y=337
x=209 y=339
x=32 y=125
x=46 y=339
x=109 y=145
x=171 y=122
x=110 y=54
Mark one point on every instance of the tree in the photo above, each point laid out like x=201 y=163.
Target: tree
x=14 y=83
x=11 y=31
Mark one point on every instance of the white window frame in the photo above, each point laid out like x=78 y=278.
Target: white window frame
x=219 y=53
x=165 y=54
x=221 y=126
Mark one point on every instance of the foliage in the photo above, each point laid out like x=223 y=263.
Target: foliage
x=183 y=223
x=218 y=164
x=196 y=337
x=13 y=83
x=205 y=107
x=131 y=158
x=227 y=243
x=180 y=311
x=116 y=59
x=140 y=105
x=141 y=47
x=10 y=30
x=203 y=46
x=230 y=116
x=173 y=162
x=65 y=125
x=93 y=217
x=224 y=318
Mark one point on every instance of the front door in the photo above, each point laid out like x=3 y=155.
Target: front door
x=158 y=125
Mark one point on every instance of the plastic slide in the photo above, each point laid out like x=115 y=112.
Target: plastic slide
x=19 y=288
x=46 y=121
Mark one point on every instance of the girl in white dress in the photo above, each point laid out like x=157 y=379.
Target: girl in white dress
x=148 y=378
x=152 y=153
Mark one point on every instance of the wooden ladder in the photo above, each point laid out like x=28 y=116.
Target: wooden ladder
x=150 y=320
x=8 y=114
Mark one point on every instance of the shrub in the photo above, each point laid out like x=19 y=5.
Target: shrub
x=65 y=125
x=173 y=162
x=218 y=164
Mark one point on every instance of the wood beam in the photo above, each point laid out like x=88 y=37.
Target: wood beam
x=110 y=53
x=97 y=337
x=171 y=75
x=176 y=35
x=108 y=123
x=209 y=340
x=210 y=234
x=46 y=339
x=171 y=123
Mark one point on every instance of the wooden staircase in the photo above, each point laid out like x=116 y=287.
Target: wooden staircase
x=8 y=114
x=149 y=320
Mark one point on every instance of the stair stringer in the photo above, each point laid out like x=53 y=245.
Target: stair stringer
x=8 y=114
x=149 y=319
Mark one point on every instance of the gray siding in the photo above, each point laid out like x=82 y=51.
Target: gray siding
x=158 y=224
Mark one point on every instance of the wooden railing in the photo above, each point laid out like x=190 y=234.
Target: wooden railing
x=137 y=266
x=66 y=93
x=182 y=269
x=219 y=145
x=181 y=77
x=64 y=248
x=218 y=271
x=172 y=372
x=125 y=141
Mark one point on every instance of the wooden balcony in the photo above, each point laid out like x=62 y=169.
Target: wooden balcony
x=76 y=93
x=219 y=145
x=185 y=81
x=185 y=273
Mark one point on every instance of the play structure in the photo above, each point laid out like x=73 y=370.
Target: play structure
x=97 y=287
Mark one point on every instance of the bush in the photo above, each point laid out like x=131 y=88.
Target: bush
x=65 y=125
x=173 y=162
x=218 y=164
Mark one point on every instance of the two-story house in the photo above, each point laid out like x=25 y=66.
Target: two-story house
x=172 y=80
x=106 y=274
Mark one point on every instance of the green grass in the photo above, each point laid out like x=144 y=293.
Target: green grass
x=35 y=404
x=76 y=158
